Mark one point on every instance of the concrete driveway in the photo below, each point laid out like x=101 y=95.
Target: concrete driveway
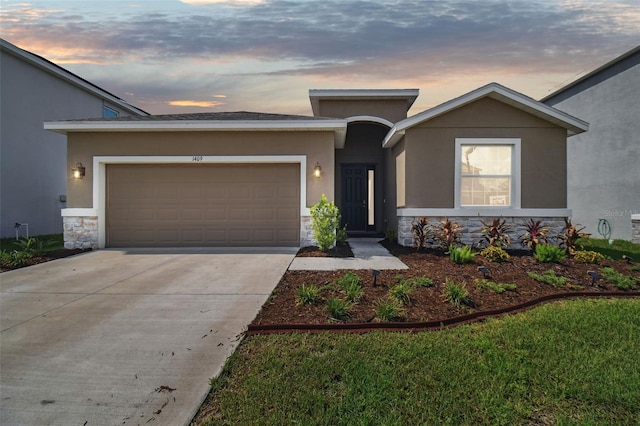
x=125 y=337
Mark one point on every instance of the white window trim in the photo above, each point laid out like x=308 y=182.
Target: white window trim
x=515 y=171
x=100 y=179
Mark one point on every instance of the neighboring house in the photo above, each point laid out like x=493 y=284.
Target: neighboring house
x=604 y=164
x=33 y=160
x=249 y=178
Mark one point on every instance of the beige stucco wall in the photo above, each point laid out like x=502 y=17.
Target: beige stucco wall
x=318 y=146
x=430 y=154
x=392 y=110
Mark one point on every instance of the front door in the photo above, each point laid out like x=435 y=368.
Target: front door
x=357 y=207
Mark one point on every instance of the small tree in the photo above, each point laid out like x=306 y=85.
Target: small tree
x=325 y=219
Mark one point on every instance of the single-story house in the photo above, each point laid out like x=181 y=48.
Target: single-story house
x=33 y=160
x=603 y=172
x=249 y=179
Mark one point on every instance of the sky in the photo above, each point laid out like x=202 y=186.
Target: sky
x=184 y=56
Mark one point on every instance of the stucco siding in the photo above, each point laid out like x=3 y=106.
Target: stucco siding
x=33 y=160
x=392 y=110
x=603 y=164
x=317 y=146
x=430 y=171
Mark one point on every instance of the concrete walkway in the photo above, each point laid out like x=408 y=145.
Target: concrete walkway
x=125 y=337
x=368 y=254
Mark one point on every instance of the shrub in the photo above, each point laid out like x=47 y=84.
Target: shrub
x=325 y=219
x=33 y=246
x=621 y=281
x=338 y=309
x=461 y=255
x=418 y=282
x=456 y=294
x=388 y=309
x=353 y=292
x=570 y=235
x=348 y=279
x=391 y=235
x=351 y=286
x=535 y=233
x=341 y=234
x=14 y=258
x=549 y=277
x=448 y=234
x=547 y=253
x=495 y=254
x=421 y=232
x=587 y=256
x=402 y=292
x=485 y=284
x=308 y=295
x=495 y=233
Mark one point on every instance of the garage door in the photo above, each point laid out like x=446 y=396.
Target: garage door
x=195 y=205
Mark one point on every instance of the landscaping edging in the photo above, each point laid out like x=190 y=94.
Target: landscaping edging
x=430 y=325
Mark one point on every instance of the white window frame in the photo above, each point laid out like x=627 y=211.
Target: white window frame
x=515 y=195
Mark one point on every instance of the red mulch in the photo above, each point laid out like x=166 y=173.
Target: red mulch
x=427 y=304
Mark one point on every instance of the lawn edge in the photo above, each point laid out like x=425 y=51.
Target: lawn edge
x=429 y=325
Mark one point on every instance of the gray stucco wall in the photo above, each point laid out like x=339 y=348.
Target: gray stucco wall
x=604 y=163
x=33 y=161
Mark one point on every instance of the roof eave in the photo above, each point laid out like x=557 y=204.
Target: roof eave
x=70 y=77
x=507 y=96
x=316 y=95
x=339 y=127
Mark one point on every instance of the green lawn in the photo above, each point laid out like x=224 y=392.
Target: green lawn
x=571 y=362
x=615 y=250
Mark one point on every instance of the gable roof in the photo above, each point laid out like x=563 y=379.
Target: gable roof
x=207 y=121
x=316 y=95
x=612 y=68
x=68 y=76
x=499 y=93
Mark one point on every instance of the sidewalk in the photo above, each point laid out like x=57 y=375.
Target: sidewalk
x=368 y=255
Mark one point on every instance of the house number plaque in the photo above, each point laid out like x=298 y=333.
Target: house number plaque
x=197 y=158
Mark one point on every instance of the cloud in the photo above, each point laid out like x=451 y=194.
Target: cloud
x=206 y=2
x=175 y=51
x=199 y=104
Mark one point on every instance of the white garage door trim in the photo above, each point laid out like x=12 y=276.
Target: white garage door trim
x=100 y=186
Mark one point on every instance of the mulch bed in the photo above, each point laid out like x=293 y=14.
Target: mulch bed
x=337 y=251
x=427 y=304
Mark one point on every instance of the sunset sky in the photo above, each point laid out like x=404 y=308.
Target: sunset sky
x=174 y=56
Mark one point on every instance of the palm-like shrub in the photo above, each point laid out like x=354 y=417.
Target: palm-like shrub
x=448 y=233
x=421 y=232
x=496 y=233
x=535 y=233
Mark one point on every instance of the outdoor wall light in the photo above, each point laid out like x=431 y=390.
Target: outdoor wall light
x=78 y=171
x=317 y=170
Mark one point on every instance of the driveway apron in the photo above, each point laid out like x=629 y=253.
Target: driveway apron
x=131 y=337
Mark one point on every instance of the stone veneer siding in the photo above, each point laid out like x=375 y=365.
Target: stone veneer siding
x=635 y=228
x=80 y=232
x=471 y=231
x=306 y=233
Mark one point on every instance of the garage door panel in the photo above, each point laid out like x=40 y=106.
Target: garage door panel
x=203 y=205
x=167 y=214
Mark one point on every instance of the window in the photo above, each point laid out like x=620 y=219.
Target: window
x=109 y=112
x=487 y=172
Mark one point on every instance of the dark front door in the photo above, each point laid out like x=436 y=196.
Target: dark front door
x=357 y=197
